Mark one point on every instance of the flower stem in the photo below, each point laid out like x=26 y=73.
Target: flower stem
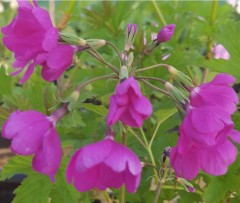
x=103 y=77
x=150 y=67
x=99 y=57
x=151 y=78
x=150 y=155
x=158 y=191
x=116 y=50
x=155 y=88
x=159 y=12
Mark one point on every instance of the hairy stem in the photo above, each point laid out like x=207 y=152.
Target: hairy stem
x=116 y=50
x=155 y=88
x=150 y=67
x=103 y=77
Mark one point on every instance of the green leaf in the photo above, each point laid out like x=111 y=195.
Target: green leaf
x=35 y=188
x=164 y=114
x=5 y=81
x=99 y=109
x=62 y=191
x=17 y=165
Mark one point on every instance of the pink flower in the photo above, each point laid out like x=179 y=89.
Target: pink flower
x=220 y=52
x=104 y=164
x=203 y=125
x=166 y=33
x=206 y=129
x=34 y=41
x=218 y=93
x=32 y=132
x=187 y=158
x=128 y=104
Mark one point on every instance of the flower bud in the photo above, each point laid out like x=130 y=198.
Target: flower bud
x=180 y=99
x=180 y=76
x=123 y=73
x=130 y=35
x=96 y=43
x=165 y=34
x=69 y=38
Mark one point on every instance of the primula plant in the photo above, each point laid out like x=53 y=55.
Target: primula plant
x=121 y=101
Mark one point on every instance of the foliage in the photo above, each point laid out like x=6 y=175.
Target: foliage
x=86 y=121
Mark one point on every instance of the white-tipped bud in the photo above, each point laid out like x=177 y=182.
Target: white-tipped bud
x=96 y=43
x=123 y=73
x=72 y=39
x=130 y=59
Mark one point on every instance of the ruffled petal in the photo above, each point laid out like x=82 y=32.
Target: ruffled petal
x=48 y=159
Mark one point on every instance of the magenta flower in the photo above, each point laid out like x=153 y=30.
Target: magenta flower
x=165 y=34
x=104 y=164
x=34 y=41
x=220 y=52
x=187 y=158
x=218 y=93
x=128 y=104
x=32 y=132
x=203 y=125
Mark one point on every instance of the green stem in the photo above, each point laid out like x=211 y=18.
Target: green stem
x=151 y=78
x=159 y=12
x=154 y=134
x=122 y=194
x=150 y=67
x=70 y=6
x=103 y=77
x=155 y=88
x=150 y=155
x=158 y=191
x=116 y=50
x=173 y=187
x=214 y=11
x=99 y=57
x=136 y=136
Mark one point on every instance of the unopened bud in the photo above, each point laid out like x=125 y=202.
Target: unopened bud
x=165 y=34
x=180 y=76
x=130 y=35
x=186 y=184
x=180 y=99
x=69 y=38
x=96 y=43
x=130 y=59
x=123 y=73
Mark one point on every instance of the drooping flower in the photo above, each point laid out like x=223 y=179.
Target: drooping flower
x=128 y=104
x=218 y=93
x=104 y=164
x=202 y=125
x=31 y=133
x=207 y=129
x=187 y=158
x=33 y=39
x=220 y=52
x=165 y=34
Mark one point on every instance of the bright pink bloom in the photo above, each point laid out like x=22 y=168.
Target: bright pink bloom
x=128 y=104
x=187 y=158
x=217 y=93
x=32 y=132
x=166 y=33
x=34 y=41
x=104 y=164
x=203 y=125
x=220 y=52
